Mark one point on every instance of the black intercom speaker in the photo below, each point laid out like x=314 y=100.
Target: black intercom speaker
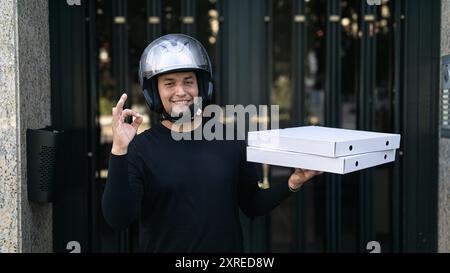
x=43 y=152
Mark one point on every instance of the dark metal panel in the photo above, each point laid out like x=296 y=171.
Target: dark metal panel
x=420 y=118
x=332 y=119
x=259 y=95
x=431 y=240
x=121 y=71
x=69 y=111
x=154 y=30
x=396 y=196
x=257 y=69
x=268 y=49
x=188 y=17
x=120 y=48
x=254 y=48
x=367 y=65
x=217 y=80
x=243 y=37
x=428 y=124
x=266 y=93
x=242 y=52
x=410 y=125
x=298 y=60
x=229 y=28
x=154 y=14
x=92 y=128
x=333 y=65
x=298 y=89
x=223 y=85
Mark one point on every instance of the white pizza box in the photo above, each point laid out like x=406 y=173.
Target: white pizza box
x=339 y=165
x=324 y=141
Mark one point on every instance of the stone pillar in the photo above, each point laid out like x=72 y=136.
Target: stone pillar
x=24 y=103
x=444 y=149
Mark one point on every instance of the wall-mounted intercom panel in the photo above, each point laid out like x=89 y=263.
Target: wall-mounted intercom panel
x=444 y=97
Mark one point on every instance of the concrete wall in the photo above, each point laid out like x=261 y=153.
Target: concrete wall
x=444 y=149
x=25 y=103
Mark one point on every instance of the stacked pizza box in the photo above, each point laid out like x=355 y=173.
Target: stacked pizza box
x=324 y=149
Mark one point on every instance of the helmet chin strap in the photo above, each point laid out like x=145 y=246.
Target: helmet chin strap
x=172 y=119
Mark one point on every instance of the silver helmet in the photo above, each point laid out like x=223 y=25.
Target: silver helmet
x=174 y=53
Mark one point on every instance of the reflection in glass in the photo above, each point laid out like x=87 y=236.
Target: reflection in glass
x=315 y=12
x=137 y=44
x=106 y=97
x=383 y=121
x=282 y=218
x=314 y=192
x=351 y=12
x=171 y=16
x=107 y=83
x=282 y=40
x=350 y=57
x=207 y=32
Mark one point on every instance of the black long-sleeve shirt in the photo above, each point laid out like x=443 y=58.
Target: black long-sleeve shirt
x=186 y=194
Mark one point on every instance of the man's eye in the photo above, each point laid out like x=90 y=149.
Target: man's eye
x=189 y=82
x=169 y=84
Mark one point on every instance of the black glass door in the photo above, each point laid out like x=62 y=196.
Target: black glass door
x=338 y=63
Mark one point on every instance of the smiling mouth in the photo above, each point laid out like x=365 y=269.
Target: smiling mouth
x=181 y=102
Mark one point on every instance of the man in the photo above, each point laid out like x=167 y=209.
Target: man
x=186 y=194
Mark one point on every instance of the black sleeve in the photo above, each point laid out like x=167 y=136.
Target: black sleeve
x=124 y=190
x=253 y=200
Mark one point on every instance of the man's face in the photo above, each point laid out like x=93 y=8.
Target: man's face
x=177 y=91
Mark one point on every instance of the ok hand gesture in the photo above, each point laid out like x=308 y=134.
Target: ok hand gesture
x=123 y=132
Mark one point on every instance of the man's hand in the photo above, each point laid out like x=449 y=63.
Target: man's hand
x=301 y=176
x=123 y=132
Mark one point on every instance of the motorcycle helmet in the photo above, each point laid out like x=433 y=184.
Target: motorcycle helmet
x=174 y=53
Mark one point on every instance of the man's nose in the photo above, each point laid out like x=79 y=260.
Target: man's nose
x=179 y=90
